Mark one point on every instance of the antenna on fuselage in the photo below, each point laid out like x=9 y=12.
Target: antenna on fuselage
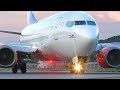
x=31 y=18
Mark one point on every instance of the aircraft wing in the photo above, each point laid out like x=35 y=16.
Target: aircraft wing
x=10 y=32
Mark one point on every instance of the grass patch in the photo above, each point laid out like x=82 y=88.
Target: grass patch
x=30 y=61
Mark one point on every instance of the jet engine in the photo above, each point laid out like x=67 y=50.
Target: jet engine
x=109 y=57
x=7 y=56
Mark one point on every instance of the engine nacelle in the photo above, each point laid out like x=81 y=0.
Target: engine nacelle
x=109 y=57
x=7 y=56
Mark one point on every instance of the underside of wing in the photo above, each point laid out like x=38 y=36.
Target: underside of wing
x=102 y=45
x=21 y=47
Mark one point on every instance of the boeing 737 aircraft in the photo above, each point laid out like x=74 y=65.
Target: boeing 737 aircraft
x=68 y=35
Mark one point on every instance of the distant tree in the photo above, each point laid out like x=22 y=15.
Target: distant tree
x=110 y=40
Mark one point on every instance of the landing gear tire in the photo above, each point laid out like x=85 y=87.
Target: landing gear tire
x=23 y=67
x=15 y=68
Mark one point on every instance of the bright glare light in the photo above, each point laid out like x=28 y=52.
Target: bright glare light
x=77 y=67
x=34 y=46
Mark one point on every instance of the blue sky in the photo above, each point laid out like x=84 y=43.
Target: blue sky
x=108 y=22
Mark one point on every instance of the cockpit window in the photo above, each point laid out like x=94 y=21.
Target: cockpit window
x=91 y=23
x=80 y=23
x=72 y=23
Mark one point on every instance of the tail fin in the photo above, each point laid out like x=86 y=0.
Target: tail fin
x=31 y=18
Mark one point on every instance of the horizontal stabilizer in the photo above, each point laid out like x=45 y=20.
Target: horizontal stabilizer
x=11 y=32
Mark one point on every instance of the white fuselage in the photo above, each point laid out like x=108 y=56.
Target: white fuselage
x=63 y=35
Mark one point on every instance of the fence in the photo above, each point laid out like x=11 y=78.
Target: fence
x=89 y=67
x=94 y=67
x=45 y=65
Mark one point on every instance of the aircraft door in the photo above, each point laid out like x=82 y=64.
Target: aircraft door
x=55 y=33
x=59 y=24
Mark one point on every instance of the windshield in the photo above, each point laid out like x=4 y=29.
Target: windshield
x=73 y=23
x=91 y=23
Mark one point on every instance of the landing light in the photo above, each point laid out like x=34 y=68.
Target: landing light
x=34 y=46
x=77 y=67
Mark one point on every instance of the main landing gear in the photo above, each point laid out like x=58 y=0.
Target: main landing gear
x=78 y=66
x=20 y=64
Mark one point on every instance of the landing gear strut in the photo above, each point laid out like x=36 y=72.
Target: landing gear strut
x=14 y=68
x=23 y=67
x=79 y=66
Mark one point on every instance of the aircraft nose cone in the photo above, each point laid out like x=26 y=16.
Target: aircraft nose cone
x=88 y=37
x=86 y=41
x=86 y=34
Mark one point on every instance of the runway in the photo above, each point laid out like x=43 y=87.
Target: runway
x=58 y=75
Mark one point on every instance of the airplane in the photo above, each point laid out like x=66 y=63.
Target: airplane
x=68 y=35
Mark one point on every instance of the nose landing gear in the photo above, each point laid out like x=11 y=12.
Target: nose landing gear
x=79 y=66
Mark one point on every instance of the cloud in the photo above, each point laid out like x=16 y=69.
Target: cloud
x=101 y=16
x=106 y=16
x=115 y=16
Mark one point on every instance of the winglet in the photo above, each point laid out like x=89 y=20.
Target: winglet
x=31 y=18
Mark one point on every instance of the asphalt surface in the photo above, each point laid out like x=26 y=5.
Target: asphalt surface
x=58 y=75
